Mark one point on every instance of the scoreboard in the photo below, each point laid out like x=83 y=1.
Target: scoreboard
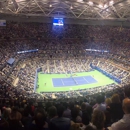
x=58 y=22
x=2 y=22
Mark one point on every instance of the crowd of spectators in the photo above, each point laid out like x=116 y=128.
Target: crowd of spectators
x=62 y=54
x=61 y=50
x=29 y=30
x=96 y=111
x=26 y=69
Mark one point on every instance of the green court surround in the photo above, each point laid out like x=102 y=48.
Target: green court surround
x=46 y=85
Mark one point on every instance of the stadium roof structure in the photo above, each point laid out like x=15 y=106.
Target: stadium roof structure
x=79 y=9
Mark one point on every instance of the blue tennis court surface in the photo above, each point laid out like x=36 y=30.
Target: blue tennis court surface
x=73 y=81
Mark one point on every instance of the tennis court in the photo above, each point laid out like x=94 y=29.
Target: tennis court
x=73 y=81
x=63 y=82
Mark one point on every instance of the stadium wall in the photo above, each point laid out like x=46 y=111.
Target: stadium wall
x=36 y=78
x=106 y=73
x=35 y=81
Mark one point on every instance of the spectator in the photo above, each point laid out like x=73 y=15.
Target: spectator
x=60 y=123
x=26 y=117
x=75 y=115
x=116 y=108
x=100 y=105
x=107 y=112
x=67 y=112
x=108 y=102
x=98 y=119
x=6 y=113
x=52 y=112
x=4 y=125
x=86 y=115
x=127 y=91
x=75 y=127
x=90 y=127
x=39 y=122
x=15 y=119
x=124 y=123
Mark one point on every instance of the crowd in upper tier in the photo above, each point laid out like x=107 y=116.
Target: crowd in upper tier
x=64 y=49
x=31 y=30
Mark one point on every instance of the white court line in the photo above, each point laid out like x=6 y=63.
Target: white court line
x=85 y=80
x=62 y=82
x=94 y=78
x=52 y=82
x=71 y=81
x=80 y=80
x=74 y=80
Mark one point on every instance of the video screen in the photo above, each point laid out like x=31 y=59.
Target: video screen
x=2 y=22
x=58 y=22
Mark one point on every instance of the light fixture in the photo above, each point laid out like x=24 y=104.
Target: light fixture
x=111 y=2
x=100 y=6
x=79 y=0
x=71 y=7
x=50 y=5
x=90 y=3
x=105 y=6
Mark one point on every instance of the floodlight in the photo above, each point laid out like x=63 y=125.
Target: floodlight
x=90 y=3
x=101 y=6
x=111 y=2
